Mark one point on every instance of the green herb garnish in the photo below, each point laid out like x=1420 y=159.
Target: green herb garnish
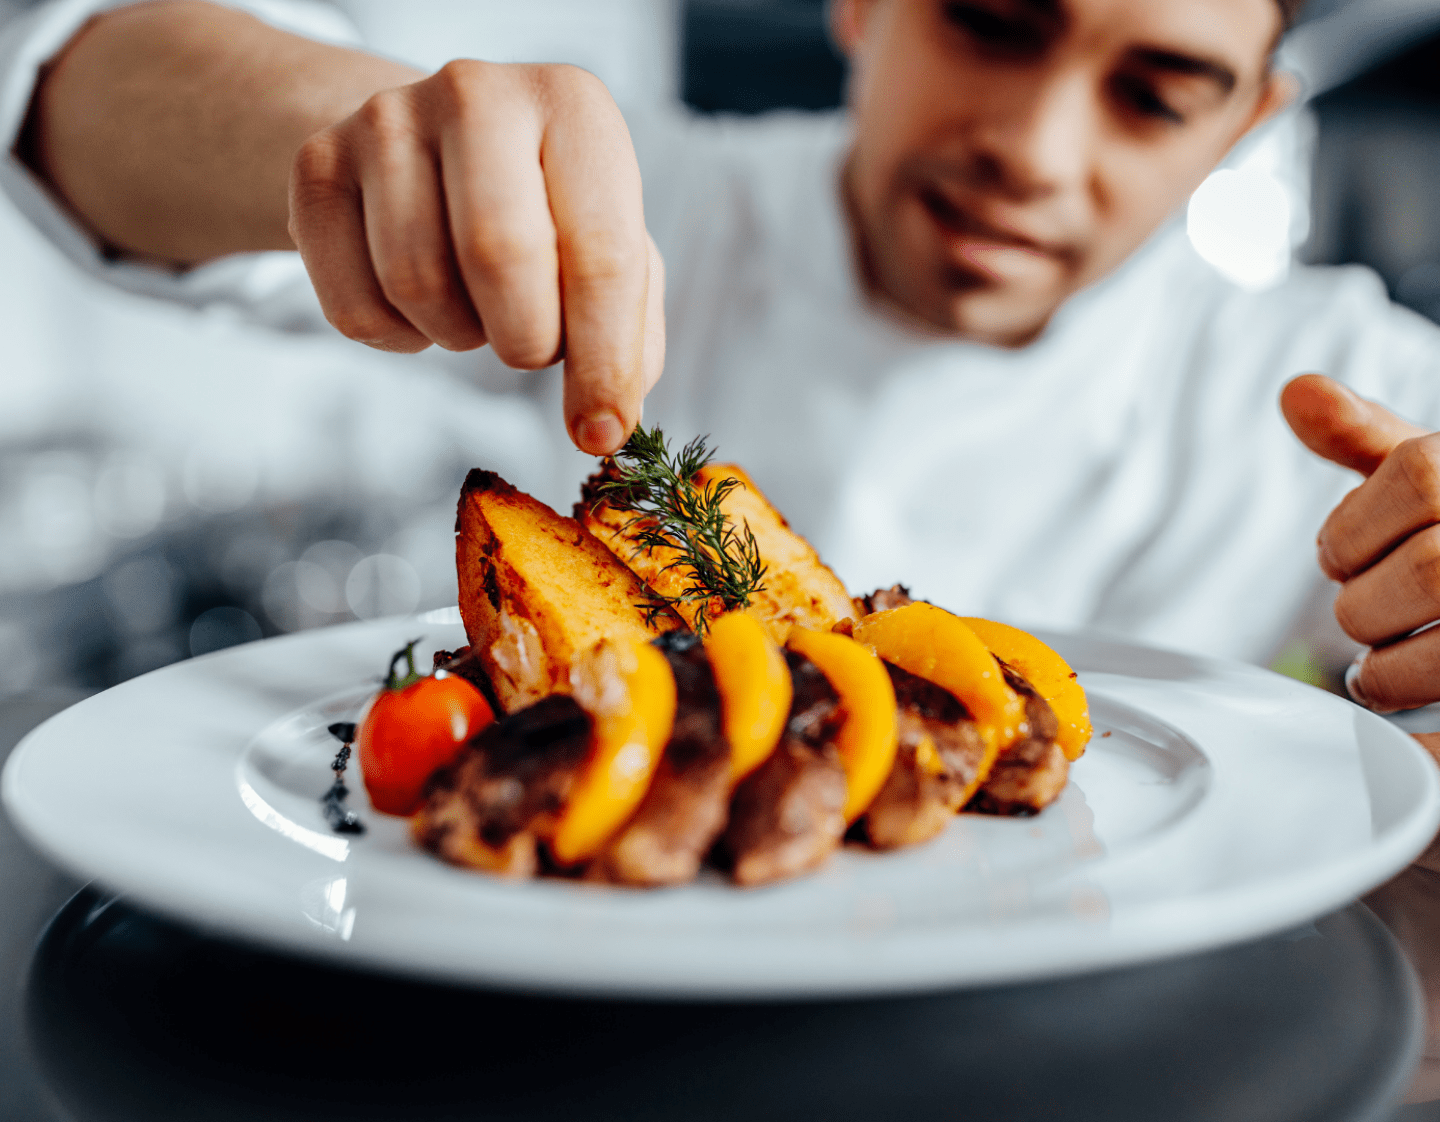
x=671 y=512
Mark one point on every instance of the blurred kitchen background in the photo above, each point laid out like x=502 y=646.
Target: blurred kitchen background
x=173 y=482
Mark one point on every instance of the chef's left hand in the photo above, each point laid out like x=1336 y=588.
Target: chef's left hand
x=1382 y=543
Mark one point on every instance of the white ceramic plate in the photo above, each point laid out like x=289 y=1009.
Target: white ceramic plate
x=1217 y=802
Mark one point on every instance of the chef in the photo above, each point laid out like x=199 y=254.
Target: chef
x=954 y=332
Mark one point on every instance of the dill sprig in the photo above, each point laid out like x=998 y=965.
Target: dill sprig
x=671 y=512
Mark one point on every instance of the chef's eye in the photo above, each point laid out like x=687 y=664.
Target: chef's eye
x=1141 y=96
x=991 y=29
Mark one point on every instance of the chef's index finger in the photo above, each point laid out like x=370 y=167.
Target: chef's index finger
x=593 y=183
x=1399 y=499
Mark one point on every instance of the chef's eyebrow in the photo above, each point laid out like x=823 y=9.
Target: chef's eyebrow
x=1189 y=65
x=1051 y=10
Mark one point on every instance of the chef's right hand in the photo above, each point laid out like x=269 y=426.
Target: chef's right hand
x=498 y=204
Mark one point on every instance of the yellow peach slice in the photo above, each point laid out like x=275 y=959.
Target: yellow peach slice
x=867 y=739
x=1048 y=673
x=754 y=685
x=628 y=690
x=933 y=644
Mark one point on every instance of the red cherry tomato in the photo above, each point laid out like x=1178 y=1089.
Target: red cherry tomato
x=415 y=725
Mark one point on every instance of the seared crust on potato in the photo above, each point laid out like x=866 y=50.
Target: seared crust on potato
x=799 y=589
x=536 y=588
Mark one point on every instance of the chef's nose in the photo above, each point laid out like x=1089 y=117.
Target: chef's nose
x=1036 y=137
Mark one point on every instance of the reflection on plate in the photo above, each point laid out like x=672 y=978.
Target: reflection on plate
x=1216 y=803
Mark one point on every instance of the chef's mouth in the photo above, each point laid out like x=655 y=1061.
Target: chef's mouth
x=955 y=219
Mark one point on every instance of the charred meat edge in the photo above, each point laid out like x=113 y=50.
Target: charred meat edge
x=1030 y=774
x=510 y=782
x=787 y=816
x=937 y=763
x=687 y=804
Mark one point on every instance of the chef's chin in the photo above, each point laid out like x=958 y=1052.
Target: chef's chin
x=994 y=296
x=956 y=302
x=997 y=314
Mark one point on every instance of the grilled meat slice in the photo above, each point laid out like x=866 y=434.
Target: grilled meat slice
x=685 y=808
x=937 y=766
x=486 y=809
x=883 y=599
x=1030 y=774
x=787 y=815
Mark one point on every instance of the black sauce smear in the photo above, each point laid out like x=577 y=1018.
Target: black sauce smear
x=342 y=820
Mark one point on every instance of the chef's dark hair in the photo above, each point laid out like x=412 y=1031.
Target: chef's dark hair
x=1290 y=11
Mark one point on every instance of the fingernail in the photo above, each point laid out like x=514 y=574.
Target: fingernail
x=600 y=433
x=1353 y=687
x=1352 y=679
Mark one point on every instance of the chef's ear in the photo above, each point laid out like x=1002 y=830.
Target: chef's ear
x=847 y=23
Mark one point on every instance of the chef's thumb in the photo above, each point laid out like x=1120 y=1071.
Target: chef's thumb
x=1336 y=423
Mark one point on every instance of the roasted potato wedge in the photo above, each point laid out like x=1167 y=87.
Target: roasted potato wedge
x=536 y=588
x=800 y=590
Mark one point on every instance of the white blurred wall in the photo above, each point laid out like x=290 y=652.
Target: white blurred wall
x=631 y=45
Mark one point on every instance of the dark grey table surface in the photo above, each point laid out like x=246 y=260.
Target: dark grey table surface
x=110 y=1013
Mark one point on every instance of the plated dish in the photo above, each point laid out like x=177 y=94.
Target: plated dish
x=683 y=684
x=1217 y=802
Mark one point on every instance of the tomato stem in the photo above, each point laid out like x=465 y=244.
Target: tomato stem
x=407 y=652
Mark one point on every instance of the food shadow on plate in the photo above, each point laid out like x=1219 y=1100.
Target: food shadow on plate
x=133 y=1017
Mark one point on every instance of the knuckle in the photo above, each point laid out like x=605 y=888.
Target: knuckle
x=531 y=350
x=601 y=259
x=464 y=337
x=561 y=86
x=387 y=117
x=564 y=77
x=494 y=253
x=1419 y=461
x=319 y=166
x=1425 y=566
x=364 y=323
x=460 y=76
x=465 y=84
x=415 y=282
x=1347 y=614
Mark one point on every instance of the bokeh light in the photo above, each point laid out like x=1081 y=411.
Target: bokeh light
x=130 y=495
x=382 y=585
x=1239 y=221
x=321 y=573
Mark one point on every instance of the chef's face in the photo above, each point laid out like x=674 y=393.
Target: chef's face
x=1009 y=152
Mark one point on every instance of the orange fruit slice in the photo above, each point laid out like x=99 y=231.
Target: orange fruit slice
x=930 y=642
x=867 y=739
x=1048 y=673
x=754 y=685
x=627 y=688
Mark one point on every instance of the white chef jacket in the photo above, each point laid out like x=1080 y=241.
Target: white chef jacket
x=1129 y=472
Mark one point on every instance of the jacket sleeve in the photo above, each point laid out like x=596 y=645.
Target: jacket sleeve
x=270 y=288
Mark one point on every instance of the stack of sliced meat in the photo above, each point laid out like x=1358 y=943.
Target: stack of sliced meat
x=494 y=807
